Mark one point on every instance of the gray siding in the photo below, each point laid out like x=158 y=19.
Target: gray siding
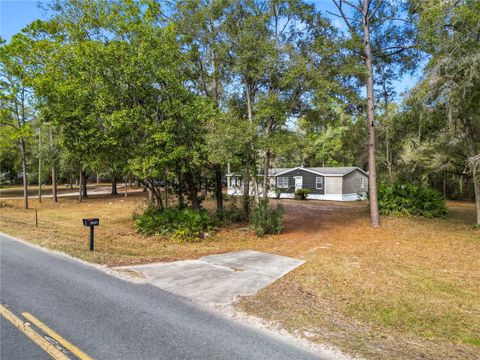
x=351 y=185
x=309 y=181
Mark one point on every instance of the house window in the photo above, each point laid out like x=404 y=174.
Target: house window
x=361 y=182
x=235 y=182
x=319 y=183
x=282 y=182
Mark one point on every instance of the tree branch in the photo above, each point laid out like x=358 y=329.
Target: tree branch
x=352 y=5
x=380 y=3
x=338 y=4
x=399 y=49
x=339 y=16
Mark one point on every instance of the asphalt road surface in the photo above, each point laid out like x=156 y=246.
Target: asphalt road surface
x=108 y=318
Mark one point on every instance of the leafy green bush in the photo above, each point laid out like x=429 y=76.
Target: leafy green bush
x=185 y=224
x=301 y=194
x=409 y=199
x=232 y=214
x=265 y=220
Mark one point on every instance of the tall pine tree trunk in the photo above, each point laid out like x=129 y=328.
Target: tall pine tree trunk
x=476 y=186
x=84 y=184
x=266 y=168
x=80 y=186
x=218 y=186
x=39 y=164
x=250 y=119
x=473 y=154
x=372 y=169
x=23 y=153
x=217 y=167
x=54 y=183
x=246 y=191
x=54 y=170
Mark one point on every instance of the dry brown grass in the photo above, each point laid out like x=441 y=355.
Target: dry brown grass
x=410 y=289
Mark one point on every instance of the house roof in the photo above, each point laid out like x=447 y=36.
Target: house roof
x=275 y=171
x=327 y=171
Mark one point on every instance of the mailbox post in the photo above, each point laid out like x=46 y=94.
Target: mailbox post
x=92 y=223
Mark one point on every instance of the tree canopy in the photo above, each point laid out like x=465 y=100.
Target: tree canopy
x=176 y=91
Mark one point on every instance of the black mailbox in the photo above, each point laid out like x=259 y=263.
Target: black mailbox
x=91 y=223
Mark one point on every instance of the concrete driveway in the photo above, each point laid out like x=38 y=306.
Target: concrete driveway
x=217 y=279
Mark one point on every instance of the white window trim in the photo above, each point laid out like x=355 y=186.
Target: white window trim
x=281 y=184
x=316 y=183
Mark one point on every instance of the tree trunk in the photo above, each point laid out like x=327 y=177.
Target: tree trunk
x=218 y=187
x=476 y=186
x=181 y=201
x=372 y=171
x=472 y=150
x=250 y=118
x=387 y=154
x=54 y=170
x=192 y=191
x=166 y=188
x=114 y=186
x=166 y=195
x=126 y=189
x=39 y=164
x=84 y=184
x=80 y=186
x=218 y=168
x=266 y=167
x=445 y=184
x=246 y=191
x=98 y=178
x=54 y=183
x=255 y=185
x=24 y=172
x=149 y=195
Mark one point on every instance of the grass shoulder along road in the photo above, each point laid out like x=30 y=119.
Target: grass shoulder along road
x=410 y=289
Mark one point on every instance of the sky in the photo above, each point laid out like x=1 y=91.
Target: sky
x=16 y=14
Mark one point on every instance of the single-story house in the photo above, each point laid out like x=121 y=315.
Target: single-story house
x=324 y=183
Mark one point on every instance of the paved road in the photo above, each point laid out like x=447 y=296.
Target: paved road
x=109 y=318
x=102 y=190
x=15 y=345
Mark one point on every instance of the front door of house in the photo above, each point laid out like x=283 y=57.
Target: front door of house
x=298 y=182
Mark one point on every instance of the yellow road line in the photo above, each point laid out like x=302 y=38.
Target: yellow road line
x=32 y=334
x=66 y=344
